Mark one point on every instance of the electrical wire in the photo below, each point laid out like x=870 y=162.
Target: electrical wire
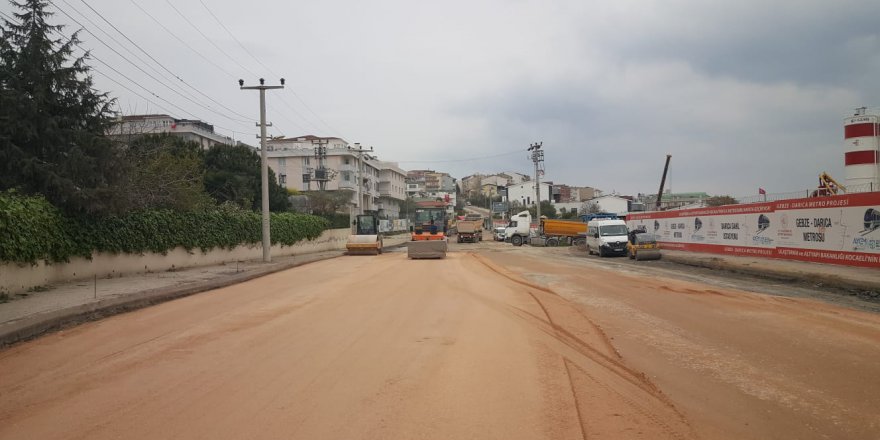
x=243 y=67
x=247 y=118
x=124 y=47
x=141 y=69
x=87 y=54
x=268 y=69
x=182 y=41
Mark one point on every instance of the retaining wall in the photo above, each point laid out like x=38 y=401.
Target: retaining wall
x=841 y=230
x=15 y=278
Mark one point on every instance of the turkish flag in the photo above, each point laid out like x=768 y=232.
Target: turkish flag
x=446 y=198
x=761 y=191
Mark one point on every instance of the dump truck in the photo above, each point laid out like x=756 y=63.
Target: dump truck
x=555 y=232
x=470 y=229
x=428 y=238
x=366 y=240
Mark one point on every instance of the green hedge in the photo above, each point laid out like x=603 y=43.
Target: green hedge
x=337 y=221
x=31 y=229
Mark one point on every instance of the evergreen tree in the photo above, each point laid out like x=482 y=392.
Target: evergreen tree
x=232 y=174
x=164 y=171
x=52 y=121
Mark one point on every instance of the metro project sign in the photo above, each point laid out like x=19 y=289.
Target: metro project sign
x=838 y=229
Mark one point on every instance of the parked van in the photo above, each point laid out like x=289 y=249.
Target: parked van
x=606 y=237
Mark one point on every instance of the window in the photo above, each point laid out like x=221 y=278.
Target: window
x=306 y=161
x=346 y=161
x=282 y=179
x=282 y=162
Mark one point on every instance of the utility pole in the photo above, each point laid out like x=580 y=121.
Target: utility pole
x=321 y=174
x=360 y=183
x=264 y=163
x=538 y=159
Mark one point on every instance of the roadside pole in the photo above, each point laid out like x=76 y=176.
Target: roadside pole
x=264 y=163
x=538 y=159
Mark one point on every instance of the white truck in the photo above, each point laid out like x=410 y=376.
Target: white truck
x=606 y=237
x=519 y=228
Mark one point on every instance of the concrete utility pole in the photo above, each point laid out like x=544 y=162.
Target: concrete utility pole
x=321 y=172
x=360 y=183
x=264 y=163
x=538 y=159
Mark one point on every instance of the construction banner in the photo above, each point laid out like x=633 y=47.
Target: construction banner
x=838 y=229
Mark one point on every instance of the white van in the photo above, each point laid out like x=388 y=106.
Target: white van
x=606 y=237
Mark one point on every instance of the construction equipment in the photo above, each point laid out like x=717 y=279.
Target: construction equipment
x=663 y=181
x=828 y=186
x=557 y=232
x=367 y=240
x=642 y=246
x=470 y=229
x=429 y=233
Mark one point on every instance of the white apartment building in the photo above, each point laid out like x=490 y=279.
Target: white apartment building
x=524 y=193
x=392 y=189
x=297 y=166
x=128 y=128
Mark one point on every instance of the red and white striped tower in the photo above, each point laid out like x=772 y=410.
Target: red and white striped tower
x=862 y=137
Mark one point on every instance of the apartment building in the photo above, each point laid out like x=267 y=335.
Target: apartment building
x=298 y=165
x=128 y=128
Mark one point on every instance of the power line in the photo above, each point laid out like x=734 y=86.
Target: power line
x=182 y=41
x=87 y=54
x=209 y=40
x=234 y=38
x=140 y=68
x=96 y=26
x=247 y=118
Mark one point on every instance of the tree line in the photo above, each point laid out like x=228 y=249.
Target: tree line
x=54 y=143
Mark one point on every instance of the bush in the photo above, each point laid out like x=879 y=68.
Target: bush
x=337 y=220
x=31 y=229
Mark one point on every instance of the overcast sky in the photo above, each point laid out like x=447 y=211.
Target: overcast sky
x=743 y=94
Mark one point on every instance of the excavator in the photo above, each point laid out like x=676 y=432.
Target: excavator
x=428 y=233
x=828 y=186
x=366 y=240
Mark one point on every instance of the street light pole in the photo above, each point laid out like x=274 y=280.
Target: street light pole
x=264 y=163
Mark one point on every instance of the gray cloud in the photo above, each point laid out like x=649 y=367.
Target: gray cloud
x=743 y=94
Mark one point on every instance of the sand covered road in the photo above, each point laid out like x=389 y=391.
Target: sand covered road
x=520 y=343
x=739 y=365
x=357 y=347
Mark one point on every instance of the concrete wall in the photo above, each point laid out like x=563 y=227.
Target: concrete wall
x=16 y=278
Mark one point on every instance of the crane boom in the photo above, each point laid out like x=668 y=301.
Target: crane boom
x=663 y=180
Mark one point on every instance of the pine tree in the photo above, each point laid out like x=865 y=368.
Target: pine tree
x=52 y=121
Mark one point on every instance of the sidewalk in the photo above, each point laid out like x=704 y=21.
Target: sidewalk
x=826 y=275
x=65 y=304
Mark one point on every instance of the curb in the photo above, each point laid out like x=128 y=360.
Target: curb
x=33 y=326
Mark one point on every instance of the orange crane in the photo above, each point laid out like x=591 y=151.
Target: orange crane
x=828 y=186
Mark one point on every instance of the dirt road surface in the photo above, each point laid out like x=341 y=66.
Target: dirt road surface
x=483 y=345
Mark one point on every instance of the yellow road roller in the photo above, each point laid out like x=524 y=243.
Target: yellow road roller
x=366 y=240
x=642 y=246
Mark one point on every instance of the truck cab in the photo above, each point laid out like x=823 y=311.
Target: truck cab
x=519 y=228
x=606 y=237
